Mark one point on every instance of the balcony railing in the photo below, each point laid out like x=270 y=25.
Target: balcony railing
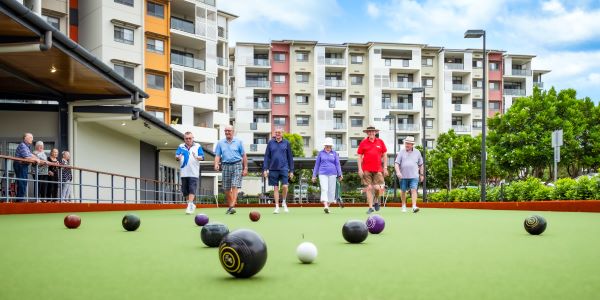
x=339 y=147
x=461 y=128
x=220 y=89
x=222 y=61
x=187 y=61
x=262 y=105
x=258 y=83
x=461 y=87
x=335 y=83
x=337 y=126
x=514 y=92
x=539 y=84
x=402 y=84
x=519 y=72
x=208 y=2
x=457 y=107
x=454 y=66
x=397 y=105
x=335 y=61
x=221 y=32
x=262 y=62
x=182 y=25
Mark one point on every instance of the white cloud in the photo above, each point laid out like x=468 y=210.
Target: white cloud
x=553 y=6
x=373 y=10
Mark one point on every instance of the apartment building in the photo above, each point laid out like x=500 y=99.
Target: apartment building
x=177 y=50
x=323 y=90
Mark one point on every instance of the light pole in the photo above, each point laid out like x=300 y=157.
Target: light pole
x=422 y=91
x=475 y=34
x=393 y=118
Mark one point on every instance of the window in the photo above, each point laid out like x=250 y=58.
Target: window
x=427 y=61
x=302 y=120
x=302 y=77
x=260 y=139
x=154 y=45
x=333 y=96
x=477 y=123
x=279 y=78
x=429 y=144
x=279 y=121
x=356 y=121
x=428 y=102
x=306 y=141
x=302 y=56
x=477 y=83
x=477 y=64
x=156 y=82
x=354 y=142
x=494 y=105
x=457 y=99
x=124 y=71
x=477 y=103
x=302 y=99
x=356 y=58
x=427 y=82
x=356 y=79
x=155 y=10
x=125 y=2
x=123 y=35
x=261 y=119
x=279 y=99
x=494 y=86
x=494 y=66
x=356 y=101
x=55 y=22
x=279 y=57
x=428 y=123
x=157 y=114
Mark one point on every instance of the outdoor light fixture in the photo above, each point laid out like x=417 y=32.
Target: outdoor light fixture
x=53 y=69
x=475 y=34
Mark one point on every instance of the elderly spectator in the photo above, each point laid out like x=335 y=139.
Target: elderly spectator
x=42 y=171
x=22 y=167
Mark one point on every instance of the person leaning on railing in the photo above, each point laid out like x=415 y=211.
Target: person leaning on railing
x=42 y=171
x=21 y=167
x=53 y=171
x=66 y=177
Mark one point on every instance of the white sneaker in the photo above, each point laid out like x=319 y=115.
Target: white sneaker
x=193 y=208
x=415 y=209
x=276 y=211
x=403 y=208
x=188 y=210
x=285 y=209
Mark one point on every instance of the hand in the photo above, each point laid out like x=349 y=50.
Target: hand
x=265 y=173
x=421 y=178
x=314 y=179
x=200 y=157
x=216 y=167
x=360 y=173
x=341 y=177
x=291 y=175
x=399 y=175
x=245 y=172
x=50 y=173
x=178 y=157
x=385 y=172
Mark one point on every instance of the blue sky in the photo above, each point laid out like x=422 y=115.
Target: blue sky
x=564 y=35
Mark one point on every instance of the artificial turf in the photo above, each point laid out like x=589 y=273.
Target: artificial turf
x=435 y=254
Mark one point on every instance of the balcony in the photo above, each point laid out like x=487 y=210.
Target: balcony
x=222 y=62
x=262 y=105
x=519 y=72
x=221 y=89
x=406 y=127
x=258 y=62
x=259 y=126
x=189 y=98
x=335 y=61
x=461 y=87
x=335 y=83
x=208 y=2
x=256 y=148
x=402 y=84
x=186 y=61
x=221 y=32
x=462 y=109
x=539 y=84
x=258 y=83
x=201 y=134
x=461 y=128
x=339 y=126
x=182 y=25
x=401 y=106
x=220 y=118
x=454 y=66
x=514 y=92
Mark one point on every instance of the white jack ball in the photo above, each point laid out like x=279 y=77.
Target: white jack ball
x=307 y=252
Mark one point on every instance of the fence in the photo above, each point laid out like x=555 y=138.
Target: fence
x=86 y=186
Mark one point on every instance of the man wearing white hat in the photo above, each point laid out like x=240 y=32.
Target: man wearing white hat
x=409 y=169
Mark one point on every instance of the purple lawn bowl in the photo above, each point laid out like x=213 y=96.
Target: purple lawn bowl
x=201 y=219
x=375 y=224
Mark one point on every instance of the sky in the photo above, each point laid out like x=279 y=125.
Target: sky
x=564 y=35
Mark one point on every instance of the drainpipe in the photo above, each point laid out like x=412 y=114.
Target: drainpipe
x=44 y=45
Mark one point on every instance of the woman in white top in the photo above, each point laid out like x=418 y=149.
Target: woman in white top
x=42 y=171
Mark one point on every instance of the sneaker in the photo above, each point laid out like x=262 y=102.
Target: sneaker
x=230 y=211
x=326 y=209
x=340 y=202
x=403 y=208
x=188 y=210
x=193 y=208
x=415 y=209
x=376 y=206
x=276 y=211
x=370 y=211
x=285 y=209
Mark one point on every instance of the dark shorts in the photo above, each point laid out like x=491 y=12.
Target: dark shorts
x=277 y=176
x=409 y=183
x=189 y=185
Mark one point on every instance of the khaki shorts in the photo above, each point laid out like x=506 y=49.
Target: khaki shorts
x=372 y=178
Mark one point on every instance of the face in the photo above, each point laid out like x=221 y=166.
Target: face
x=66 y=156
x=409 y=146
x=189 y=139
x=39 y=148
x=371 y=134
x=278 y=134
x=328 y=148
x=28 y=138
x=229 y=132
x=54 y=153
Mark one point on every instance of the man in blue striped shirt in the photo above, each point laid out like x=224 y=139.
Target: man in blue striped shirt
x=22 y=167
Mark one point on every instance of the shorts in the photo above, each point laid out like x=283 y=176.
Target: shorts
x=189 y=185
x=372 y=178
x=406 y=183
x=232 y=175
x=277 y=176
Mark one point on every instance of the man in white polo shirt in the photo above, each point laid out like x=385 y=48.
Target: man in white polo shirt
x=410 y=171
x=189 y=155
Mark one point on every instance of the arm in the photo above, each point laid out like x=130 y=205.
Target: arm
x=200 y=153
x=217 y=162
x=338 y=166
x=385 y=163
x=397 y=164
x=290 y=159
x=245 y=164
x=266 y=159
x=359 y=163
x=178 y=154
x=317 y=165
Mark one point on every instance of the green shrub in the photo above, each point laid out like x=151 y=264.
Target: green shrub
x=440 y=196
x=565 y=189
x=456 y=195
x=543 y=193
x=471 y=195
x=493 y=194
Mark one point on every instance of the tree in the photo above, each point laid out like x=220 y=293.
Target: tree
x=296 y=143
x=466 y=157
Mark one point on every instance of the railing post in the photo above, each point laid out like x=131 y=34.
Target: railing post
x=124 y=189
x=80 y=186
x=60 y=185
x=136 y=190
x=145 y=195
x=7 y=186
x=97 y=187
x=36 y=182
x=112 y=188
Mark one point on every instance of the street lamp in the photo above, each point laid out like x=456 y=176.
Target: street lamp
x=393 y=117
x=475 y=34
x=422 y=91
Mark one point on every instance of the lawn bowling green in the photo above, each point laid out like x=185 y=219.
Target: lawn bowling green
x=435 y=254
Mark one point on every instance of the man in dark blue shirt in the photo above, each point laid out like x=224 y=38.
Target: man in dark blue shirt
x=21 y=167
x=278 y=166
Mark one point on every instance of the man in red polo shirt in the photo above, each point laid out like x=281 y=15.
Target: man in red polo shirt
x=371 y=153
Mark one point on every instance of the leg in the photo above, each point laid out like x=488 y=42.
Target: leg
x=369 y=191
x=234 y=194
x=331 y=182
x=324 y=183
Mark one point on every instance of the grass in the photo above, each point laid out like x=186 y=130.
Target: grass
x=437 y=253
